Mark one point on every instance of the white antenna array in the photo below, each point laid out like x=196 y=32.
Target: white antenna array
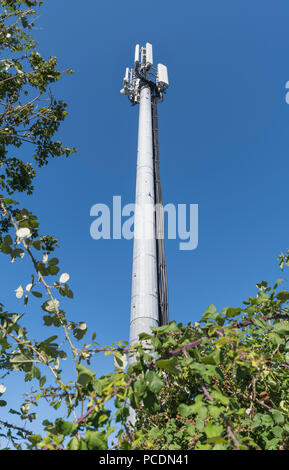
x=144 y=73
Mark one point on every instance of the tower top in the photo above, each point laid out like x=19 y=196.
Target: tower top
x=143 y=73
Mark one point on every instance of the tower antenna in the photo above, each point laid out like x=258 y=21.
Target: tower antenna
x=146 y=85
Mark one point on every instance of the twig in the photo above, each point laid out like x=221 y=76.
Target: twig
x=229 y=429
x=233 y=437
x=192 y=345
x=13 y=426
x=206 y=393
x=23 y=343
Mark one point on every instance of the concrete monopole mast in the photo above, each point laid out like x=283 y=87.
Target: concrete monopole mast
x=146 y=85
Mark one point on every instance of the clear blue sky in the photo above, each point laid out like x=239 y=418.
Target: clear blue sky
x=223 y=145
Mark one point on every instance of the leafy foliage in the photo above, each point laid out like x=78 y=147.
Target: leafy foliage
x=224 y=380
x=29 y=113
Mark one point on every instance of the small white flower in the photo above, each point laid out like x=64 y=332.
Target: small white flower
x=85 y=354
x=2 y=389
x=19 y=292
x=28 y=287
x=52 y=305
x=64 y=278
x=45 y=258
x=23 y=232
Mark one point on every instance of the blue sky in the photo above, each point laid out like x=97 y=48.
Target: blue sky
x=223 y=145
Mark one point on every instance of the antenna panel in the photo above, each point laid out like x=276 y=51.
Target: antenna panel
x=136 y=55
x=162 y=77
x=125 y=80
x=149 y=55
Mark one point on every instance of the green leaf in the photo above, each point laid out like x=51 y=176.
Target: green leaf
x=213 y=358
x=42 y=381
x=65 y=427
x=8 y=240
x=155 y=383
x=73 y=444
x=21 y=359
x=144 y=336
x=122 y=414
x=213 y=430
x=277 y=431
x=262 y=297
x=69 y=293
x=190 y=430
x=53 y=262
x=184 y=410
x=281 y=328
x=215 y=411
x=218 y=396
x=169 y=365
x=53 y=270
x=85 y=375
x=35 y=438
x=283 y=296
x=35 y=372
x=202 y=411
x=150 y=401
x=267 y=420
x=155 y=433
x=36 y=244
x=96 y=440
x=36 y=294
x=275 y=338
x=278 y=417
x=140 y=387
x=8 y=200
x=231 y=312
x=209 y=313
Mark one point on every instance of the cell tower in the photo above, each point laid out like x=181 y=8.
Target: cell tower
x=146 y=85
